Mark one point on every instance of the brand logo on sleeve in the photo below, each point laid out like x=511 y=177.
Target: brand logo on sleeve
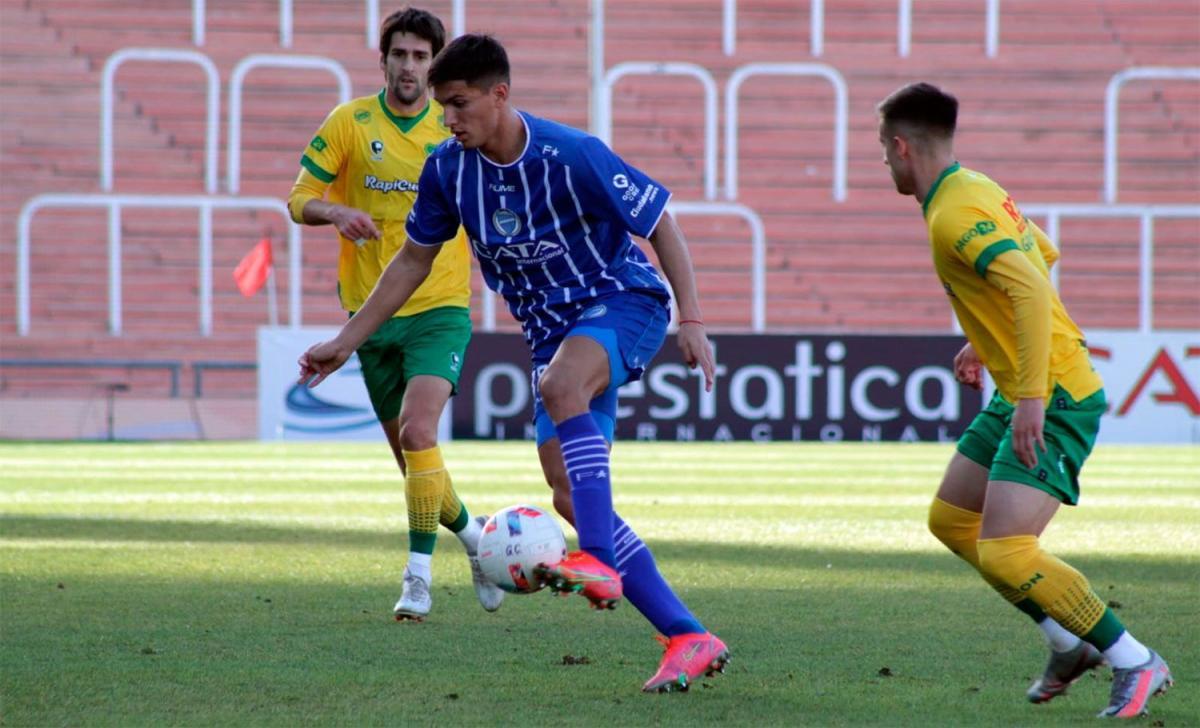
x=318 y=143
x=362 y=116
x=978 y=230
x=620 y=181
x=646 y=198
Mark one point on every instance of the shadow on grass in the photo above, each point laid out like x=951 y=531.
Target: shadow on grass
x=12 y=527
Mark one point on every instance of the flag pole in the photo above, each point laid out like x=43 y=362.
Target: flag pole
x=272 y=305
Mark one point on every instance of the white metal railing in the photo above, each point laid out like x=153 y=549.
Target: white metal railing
x=904 y=28
x=233 y=166
x=617 y=72
x=729 y=27
x=1146 y=213
x=816 y=26
x=758 y=251
x=840 y=123
x=198 y=14
x=1112 y=100
x=107 y=104
x=458 y=13
x=596 y=66
x=372 y=23
x=458 y=20
x=115 y=203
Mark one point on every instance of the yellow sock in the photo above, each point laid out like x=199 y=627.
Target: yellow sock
x=958 y=529
x=424 y=487
x=1062 y=592
x=454 y=516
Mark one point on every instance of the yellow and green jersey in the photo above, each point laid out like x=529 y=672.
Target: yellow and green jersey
x=995 y=266
x=369 y=158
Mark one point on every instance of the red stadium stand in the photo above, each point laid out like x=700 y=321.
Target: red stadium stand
x=1032 y=118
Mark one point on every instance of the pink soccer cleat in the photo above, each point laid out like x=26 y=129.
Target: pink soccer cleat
x=583 y=574
x=687 y=658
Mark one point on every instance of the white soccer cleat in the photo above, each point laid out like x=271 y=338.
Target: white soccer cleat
x=415 y=600
x=490 y=596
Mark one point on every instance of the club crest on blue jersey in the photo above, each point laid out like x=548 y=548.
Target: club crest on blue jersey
x=506 y=222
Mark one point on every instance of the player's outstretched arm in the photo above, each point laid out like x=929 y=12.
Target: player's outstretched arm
x=676 y=262
x=407 y=270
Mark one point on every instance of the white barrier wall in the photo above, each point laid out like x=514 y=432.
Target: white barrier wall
x=338 y=410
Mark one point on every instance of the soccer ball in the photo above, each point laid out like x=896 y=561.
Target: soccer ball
x=514 y=542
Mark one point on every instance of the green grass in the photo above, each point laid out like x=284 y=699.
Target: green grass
x=251 y=584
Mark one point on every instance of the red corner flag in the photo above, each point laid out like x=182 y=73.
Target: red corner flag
x=251 y=273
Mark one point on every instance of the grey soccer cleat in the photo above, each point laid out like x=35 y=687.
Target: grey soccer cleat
x=1064 y=669
x=490 y=595
x=1133 y=687
x=415 y=600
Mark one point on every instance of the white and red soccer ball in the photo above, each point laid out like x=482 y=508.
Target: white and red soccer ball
x=515 y=541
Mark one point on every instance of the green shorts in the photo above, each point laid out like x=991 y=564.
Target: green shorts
x=432 y=342
x=1069 y=432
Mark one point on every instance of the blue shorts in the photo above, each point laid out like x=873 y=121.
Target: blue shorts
x=631 y=327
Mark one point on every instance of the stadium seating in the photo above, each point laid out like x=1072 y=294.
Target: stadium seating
x=1032 y=118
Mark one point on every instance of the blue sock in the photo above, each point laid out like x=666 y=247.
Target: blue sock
x=645 y=587
x=585 y=454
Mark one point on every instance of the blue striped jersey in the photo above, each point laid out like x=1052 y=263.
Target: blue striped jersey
x=551 y=230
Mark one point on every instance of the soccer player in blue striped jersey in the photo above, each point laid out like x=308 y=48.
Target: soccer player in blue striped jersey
x=549 y=211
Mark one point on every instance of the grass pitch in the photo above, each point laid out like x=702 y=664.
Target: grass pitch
x=252 y=584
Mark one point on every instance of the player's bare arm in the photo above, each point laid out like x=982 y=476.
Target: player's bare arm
x=352 y=223
x=676 y=262
x=404 y=274
x=1029 y=416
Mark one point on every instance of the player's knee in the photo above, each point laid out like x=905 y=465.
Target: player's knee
x=560 y=393
x=417 y=435
x=955 y=527
x=1009 y=559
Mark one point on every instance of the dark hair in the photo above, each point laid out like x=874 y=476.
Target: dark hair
x=477 y=60
x=420 y=23
x=923 y=106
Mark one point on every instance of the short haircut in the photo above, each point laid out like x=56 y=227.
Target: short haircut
x=923 y=107
x=420 y=23
x=477 y=60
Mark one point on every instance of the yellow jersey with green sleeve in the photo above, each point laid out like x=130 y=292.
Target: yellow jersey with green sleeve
x=994 y=264
x=369 y=158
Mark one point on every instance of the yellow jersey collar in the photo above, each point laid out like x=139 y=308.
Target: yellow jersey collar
x=937 y=183
x=403 y=123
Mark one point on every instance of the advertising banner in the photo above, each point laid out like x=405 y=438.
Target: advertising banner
x=1152 y=382
x=768 y=387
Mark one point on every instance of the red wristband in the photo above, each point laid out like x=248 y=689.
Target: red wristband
x=691 y=321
